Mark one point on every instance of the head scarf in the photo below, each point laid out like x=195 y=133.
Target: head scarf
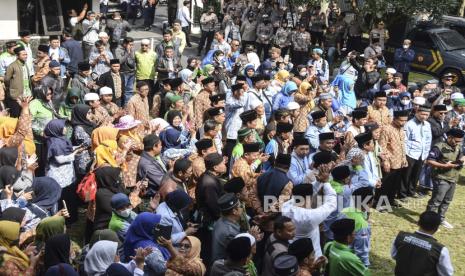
x=116 y=269
x=101 y=134
x=8 y=128
x=170 y=136
x=57 y=250
x=79 y=118
x=100 y=257
x=247 y=68
x=170 y=117
x=177 y=200
x=41 y=95
x=289 y=87
x=8 y=176
x=103 y=235
x=47 y=192
x=282 y=76
x=57 y=143
x=194 y=253
x=9 y=233
x=105 y=153
x=158 y=124
x=72 y=92
x=14 y=214
x=140 y=235
x=207 y=68
x=344 y=84
x=61 y=270
x=265 y=68
x=49 y=227
x=8 y=156
x=185 y=74
x=109 y=178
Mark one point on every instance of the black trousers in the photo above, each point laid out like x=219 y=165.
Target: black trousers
x=299 y=57
x=410 y=177
x=354 y=43
x=149 y=14
x=207 y=36
x=405 y=78
x=390 y=185
x=171 y=15
x=265 y=48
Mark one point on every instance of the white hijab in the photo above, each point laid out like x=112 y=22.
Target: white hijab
x=100 y=257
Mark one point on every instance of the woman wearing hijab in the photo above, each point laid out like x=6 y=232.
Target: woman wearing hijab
x=14 y=214
x=103 y=133
x=15 y=261
x=100 y=257
x=57 y=251
x=48 y=228
x=60 y=154
x=73 y=98
x=109 y=183
x=188 y=84
x=47 y=192
x=98 y=235
x=8 y=176
x=170 y=210
x=186 y=259
x=158 y=125
x=17 y=133
x=249 y=72
x=129 y=135
x=304 y=97
x=106 y=154
x=42 y=112
x=176 y=135
x=140 y=235
x=82 y=131
x=345 y=93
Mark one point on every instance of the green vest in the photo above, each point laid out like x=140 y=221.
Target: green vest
x=448 y=155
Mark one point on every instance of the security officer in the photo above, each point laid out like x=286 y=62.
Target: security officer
x=431 y=257
x=443 y=92
x=227 y=227
x=446 y=159
x=264 y=35
x=300 y=44
x=341 y=259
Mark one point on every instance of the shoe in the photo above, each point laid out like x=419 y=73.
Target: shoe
x=396 y=204
x=422 y=194
x=447 y=225
x=189 y=45
x=414 y=195
x=147 y=29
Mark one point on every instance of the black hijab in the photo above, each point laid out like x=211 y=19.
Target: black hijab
x=14 y=214
x=170 y=118
x=57 y=250
x=8 y=176
x=79 y=118
x=109 y=178
x=47 y=192
x=8 y=156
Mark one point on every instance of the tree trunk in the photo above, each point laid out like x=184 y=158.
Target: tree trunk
x=461 y=9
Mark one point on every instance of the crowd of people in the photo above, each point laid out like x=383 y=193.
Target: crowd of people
x=264 y=155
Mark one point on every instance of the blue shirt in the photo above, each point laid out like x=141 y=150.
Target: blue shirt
x=418 y=139
x=168 y=217
x=300 y=167
x=369 y=175
x=312 y=135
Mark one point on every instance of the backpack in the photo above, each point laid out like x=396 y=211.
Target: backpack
x=87 y=188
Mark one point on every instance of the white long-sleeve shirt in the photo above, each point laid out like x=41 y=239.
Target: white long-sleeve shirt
x=307 y=221
x=184 y=16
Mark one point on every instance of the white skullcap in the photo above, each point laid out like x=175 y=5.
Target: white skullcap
x=419 y=100
x=391 y=71
x=106 y=91
x=247 y=235
x=456 y=95
x=145 y=41
x=102 y=34
x=91 y=97
x=292 y=106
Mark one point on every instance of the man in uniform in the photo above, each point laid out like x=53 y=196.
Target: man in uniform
x=226 y=227
x=341 y=259
x=301 y=41
x=446 y=159
x=431 y=257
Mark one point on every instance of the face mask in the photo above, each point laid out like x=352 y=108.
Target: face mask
x=405 y=47
x=303 y=74
x=405 y=102
x=126 y=213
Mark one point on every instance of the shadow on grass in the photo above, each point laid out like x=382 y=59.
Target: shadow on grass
x=382 y=266
x=407 y=214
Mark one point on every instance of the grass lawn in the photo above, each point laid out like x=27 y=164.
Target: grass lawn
x=385 y=227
